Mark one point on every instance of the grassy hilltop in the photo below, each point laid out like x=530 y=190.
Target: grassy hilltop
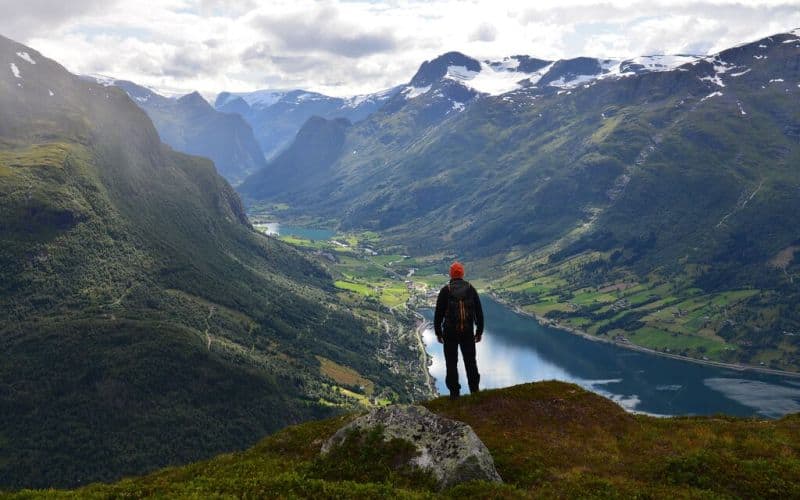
x=548 y=439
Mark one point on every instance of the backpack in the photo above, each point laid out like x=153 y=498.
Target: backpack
x=460 y=313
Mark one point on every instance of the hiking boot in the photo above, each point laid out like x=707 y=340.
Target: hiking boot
x=454 y=395
x=475 y=390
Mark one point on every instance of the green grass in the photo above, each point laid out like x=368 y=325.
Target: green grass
x=548 y=440
x=386 y=259
x=676 y=342
x=359 y=288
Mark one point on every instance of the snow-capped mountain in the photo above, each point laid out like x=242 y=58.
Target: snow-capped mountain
x=277 y=115
x=451 y=81
x=459 y=79
x=565 y=136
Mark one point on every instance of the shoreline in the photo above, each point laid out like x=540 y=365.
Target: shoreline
x=422 y=323
x=594 y=338
x=633 y=347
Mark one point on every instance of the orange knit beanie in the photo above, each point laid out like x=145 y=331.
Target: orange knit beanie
x=457 y=270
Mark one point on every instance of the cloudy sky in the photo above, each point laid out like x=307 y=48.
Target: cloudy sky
x=359 y=46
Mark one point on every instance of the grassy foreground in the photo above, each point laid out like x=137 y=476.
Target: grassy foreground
x=548 y=439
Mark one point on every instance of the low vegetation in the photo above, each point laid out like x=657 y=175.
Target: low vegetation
x=548 y=440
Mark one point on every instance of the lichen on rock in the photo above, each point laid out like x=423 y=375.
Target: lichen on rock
x=448 y=449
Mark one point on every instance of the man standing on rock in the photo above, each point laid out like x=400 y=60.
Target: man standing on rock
x=459 y=308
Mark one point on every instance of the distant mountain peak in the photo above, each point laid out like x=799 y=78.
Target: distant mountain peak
x=496 y=77
x=194 y=99
x=256 y=98
x=433 y=70
x=276 y=116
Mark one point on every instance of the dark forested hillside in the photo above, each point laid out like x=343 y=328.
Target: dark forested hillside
x=142 y=321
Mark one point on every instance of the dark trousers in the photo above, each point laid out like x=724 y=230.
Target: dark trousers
x=467 y=343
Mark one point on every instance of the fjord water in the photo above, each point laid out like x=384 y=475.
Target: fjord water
x=517 y=349
x=276 y=228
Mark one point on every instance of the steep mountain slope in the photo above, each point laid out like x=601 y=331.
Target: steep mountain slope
x=548 y=440
x=319 y=143
x=190 y=125
x=142 y=321
x=276 y=116
x=676 y=182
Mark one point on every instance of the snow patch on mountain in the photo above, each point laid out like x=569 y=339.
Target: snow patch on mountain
x=411 y=92
x=741 y=73
x=716 y=80
x=26 y=57
x=261 y=98
x=15 y=70
x=721 y=67
x=645 y=64
x=536 y=76
x=105 y=81
x=494 y=78
x=307 y=96
x=709 y=96
x=574 y=82
x=504 y=76
x=357 y=100
x=663 y=62
x=623 y=68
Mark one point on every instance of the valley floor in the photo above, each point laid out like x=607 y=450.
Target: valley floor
x=655 y=317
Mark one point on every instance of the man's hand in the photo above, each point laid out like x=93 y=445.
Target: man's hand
x=440 y=339
x=478 y=337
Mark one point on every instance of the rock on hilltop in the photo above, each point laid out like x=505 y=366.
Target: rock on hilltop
x=449 y=449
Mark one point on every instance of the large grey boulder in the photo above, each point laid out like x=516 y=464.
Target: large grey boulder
x=447 y=448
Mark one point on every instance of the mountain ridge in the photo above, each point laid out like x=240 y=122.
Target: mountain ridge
x=188 y=123
x=277 y=115
x=675 y=183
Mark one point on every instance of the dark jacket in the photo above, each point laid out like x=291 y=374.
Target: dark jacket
x=441 y=309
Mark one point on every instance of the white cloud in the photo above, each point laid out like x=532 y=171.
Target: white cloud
x=21 y=19
x=485 y=32
x=359 y=46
